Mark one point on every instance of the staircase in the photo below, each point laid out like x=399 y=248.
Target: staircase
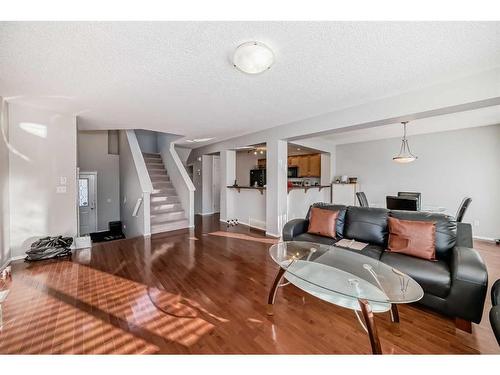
x=166 y=209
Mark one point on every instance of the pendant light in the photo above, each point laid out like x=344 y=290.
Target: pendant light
x=405 y=155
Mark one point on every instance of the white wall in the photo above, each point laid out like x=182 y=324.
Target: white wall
x=134 y=184
x=93 y=156
x=249 y=207
x=177 y=173
x=183 y=154
x=300 y=201
x=227 y=177
x=207 y=192
x=4 y=185
x=244 y=163
x=451 y=165
x=147 y=140
x=276 y=191
x=45 y=150
x=198 y=184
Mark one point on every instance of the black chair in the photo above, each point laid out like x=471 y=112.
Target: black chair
x=363 y=202
x=463 y=209
x=400 y=203
x=495 y=310
x=405 y=194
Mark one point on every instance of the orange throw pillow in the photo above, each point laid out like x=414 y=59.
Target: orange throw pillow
x=323 y=222
x=415 y=238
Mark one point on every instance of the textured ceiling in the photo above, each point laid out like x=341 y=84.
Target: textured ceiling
x=455 y=121
x=177 y=76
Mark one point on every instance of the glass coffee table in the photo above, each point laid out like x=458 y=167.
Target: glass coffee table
x=344 y=278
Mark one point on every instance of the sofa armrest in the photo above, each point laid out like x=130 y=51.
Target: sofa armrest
x=464 y=235
x=293 y=228
x=469 y=284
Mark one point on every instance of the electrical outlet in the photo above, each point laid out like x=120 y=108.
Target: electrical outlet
x=476 y=223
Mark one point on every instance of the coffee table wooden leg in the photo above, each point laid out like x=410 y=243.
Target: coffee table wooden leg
x=367 y=312
x=272 y=292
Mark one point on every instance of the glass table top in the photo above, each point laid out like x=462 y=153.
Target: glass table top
x=343 y=276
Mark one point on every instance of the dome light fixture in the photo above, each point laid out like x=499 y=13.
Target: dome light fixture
x=253 y=57
x=405 y=155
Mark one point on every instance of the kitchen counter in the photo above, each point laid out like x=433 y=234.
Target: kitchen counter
x=239 y=188
x=308 y=187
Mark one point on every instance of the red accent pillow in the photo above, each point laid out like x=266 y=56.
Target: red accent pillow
x=323 y=222
x=415 y=238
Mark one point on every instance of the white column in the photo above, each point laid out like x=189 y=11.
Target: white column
x=276 y=189
x=227 y=177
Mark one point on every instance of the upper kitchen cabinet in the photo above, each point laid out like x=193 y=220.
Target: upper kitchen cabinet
x=315 y=165
x=309 y=165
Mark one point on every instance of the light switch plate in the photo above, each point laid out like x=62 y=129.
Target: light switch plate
x=63 y=180
x=61 y=190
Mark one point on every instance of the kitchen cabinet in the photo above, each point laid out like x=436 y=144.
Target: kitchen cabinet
x=315 y=165
x=303 y=164
x=261 y=163
x=309 y=165
x=293 y=161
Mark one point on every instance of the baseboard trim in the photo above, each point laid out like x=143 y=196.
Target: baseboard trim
x=246 y=224
x=207 y=213
x=7 y=262
x=10 y=260
x=488 y=239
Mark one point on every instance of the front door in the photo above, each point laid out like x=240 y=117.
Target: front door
x=87 y=208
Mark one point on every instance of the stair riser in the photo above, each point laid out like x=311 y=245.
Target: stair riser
x=165 y=200
x=158 y=218
x=169 y=192
x=160 y=179
x=158 y=173
x=163 y=190
x=169 y=227
x=160 y=206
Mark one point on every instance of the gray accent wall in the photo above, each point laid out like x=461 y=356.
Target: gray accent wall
x=93 y=156
x=451 y=165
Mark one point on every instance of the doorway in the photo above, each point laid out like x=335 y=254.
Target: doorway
x=87 y=202
x=216 y=184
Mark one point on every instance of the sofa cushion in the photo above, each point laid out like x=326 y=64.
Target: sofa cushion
x=372 y=251
x=412 y=237
x=323 y=222
x=308 y=237
x=433 y=277
x=339 y=229
x=367 y=224
x=446 y=229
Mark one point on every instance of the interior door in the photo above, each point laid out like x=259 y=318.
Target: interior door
x=216 y=184
x=87 y=208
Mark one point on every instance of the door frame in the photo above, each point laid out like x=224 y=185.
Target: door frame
x=94 y=173
x=214 y=183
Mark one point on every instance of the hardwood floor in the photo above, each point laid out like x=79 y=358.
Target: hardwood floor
x=213 y=281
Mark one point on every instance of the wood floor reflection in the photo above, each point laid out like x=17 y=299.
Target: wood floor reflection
x=209 y=286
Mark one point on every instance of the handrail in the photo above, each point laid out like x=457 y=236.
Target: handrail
x=140 y=165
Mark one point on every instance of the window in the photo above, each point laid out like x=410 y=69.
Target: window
x=83 y=191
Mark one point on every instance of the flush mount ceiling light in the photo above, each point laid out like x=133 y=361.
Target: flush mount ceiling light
x=253 y=57
x=405 y=155
x=198 y=140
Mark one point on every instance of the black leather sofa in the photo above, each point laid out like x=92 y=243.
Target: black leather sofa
x=455 y=284
x=495 y=310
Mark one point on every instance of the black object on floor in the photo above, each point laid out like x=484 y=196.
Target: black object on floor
x=114 y=233
x=49 y=248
